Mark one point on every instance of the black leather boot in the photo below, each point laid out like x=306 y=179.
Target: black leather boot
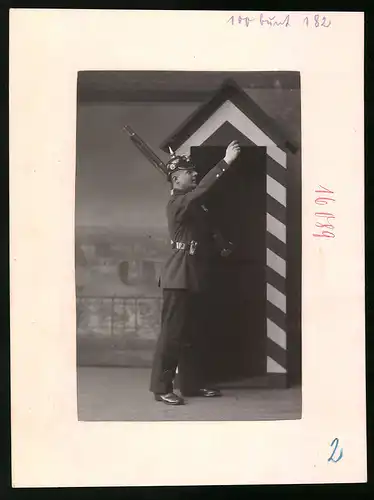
x=204 y=393
x=169 y=399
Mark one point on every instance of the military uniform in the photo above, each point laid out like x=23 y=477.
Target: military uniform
x=184 y=279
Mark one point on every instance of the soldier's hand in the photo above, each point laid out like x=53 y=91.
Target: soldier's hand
x=232 y=152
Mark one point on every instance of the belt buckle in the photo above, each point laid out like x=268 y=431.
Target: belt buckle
x=193 y=245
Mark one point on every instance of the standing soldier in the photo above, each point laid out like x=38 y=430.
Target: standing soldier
x=183 y=279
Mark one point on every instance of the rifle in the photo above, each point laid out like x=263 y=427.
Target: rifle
x=146 y=151
x=225 y=247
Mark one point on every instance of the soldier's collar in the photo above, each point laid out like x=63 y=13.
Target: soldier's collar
x=181 y=191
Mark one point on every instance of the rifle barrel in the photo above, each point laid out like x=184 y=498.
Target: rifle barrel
x=146 y=150
x=151 y=156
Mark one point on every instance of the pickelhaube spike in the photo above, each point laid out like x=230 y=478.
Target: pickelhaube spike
x=178 y=162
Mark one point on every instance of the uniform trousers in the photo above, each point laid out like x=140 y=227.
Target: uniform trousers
x=179 y=344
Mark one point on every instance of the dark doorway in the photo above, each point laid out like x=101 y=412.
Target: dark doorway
x=235 y=309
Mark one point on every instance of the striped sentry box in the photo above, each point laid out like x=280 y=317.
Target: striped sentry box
x=232 y=105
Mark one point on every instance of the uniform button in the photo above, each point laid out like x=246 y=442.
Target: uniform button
x=217 y=175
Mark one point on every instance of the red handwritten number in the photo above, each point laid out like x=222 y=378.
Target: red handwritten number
x=322 y=200
x=326 y=215
x=327 y=226
x=324 y=221
x=323 y=190
x=325 y=234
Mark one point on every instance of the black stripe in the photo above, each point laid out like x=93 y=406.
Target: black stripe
x=274 y=208
x=226 y=132
x=239 y=136
x=275 y=279
x=276 y=171
x=247 y=138
x=276 y=315
x=275 y=245
x=136 y=95
x=231 y=91
x=277 y=353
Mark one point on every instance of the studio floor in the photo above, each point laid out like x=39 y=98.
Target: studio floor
x=121 y=394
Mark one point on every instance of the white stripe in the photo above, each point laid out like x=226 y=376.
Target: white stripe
x=275 y=262
x=277 y=298
x=276 y=190
x=276 y=334
x=274 y=367
x=228 y=112
x=275 y=227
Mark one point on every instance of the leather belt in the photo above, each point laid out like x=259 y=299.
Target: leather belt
x=187 y=247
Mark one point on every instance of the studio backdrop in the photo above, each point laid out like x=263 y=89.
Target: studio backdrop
x=251 y=320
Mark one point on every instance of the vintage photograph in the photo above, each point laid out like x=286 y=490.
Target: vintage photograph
x=188 y=246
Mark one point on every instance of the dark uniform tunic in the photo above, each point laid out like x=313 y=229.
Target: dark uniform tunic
x=184 y=278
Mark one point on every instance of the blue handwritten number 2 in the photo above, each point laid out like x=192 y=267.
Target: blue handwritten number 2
x=332 y=459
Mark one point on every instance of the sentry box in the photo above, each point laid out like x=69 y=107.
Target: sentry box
x=252 y=324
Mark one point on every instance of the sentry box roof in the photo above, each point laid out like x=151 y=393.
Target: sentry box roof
x=229 y=105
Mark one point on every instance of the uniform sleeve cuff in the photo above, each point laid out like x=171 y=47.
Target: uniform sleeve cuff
x=224 y=166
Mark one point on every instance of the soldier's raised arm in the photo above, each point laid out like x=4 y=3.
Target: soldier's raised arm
x=232 y=152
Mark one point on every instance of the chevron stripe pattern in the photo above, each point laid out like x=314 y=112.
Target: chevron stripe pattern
x=276 y=266
x=276 y=228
